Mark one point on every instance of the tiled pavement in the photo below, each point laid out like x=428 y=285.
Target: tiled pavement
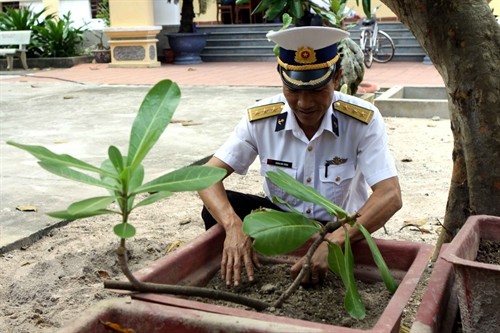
x=226 y=74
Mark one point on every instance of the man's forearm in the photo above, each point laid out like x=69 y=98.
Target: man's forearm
x=384 y=202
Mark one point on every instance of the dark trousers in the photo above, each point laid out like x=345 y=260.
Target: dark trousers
x=242 y=203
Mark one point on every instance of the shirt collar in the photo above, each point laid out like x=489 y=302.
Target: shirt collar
x=329 y=122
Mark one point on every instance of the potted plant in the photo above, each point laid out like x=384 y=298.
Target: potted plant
x=289 y=234
x=102 y=52
x=198 y=262
x=477 y=282
x=187 y=43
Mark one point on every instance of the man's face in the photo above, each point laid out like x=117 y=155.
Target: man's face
x=309 y=106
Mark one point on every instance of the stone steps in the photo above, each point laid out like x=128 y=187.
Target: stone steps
x=248 y=42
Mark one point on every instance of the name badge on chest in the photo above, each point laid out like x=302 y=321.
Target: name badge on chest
x=282 y=164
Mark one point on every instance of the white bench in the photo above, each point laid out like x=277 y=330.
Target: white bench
x=18 y=37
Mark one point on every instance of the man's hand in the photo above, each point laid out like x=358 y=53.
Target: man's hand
x=318 y=266
x=237 y=251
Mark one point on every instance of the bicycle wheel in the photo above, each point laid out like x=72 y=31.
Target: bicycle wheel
x=366 y=35
x=384 y=48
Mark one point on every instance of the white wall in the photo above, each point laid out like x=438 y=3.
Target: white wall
x=166 y=13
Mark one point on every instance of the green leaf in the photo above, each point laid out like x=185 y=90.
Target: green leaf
x=352 y=300
x=90 y=205
x=278 y=232
x=367 y=9
x=303 y=192
x=353 y=303
x=154 y=198
x=124 y=230
x=334 y=5
x=296 y=8
x=114 y=182
x=275 y=9
x=136 y=177
x=283 y=202
x=389 y=281
x=45 y=155
x=191 y=178
x=336 y=259
x=66 y=172
x=116 y=158
x=64 y=215
x=152 y=119
x=287 y=20
x=340 y=265
x=263 y=5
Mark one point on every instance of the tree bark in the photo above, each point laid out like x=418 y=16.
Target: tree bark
x=462 y=39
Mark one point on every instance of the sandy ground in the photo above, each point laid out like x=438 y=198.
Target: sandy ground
x=51 y=282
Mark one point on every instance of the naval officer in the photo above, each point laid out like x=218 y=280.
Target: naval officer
x=333 y=142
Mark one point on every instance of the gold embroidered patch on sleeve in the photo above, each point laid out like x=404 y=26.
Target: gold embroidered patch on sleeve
x=355 y=111
x=265 y=111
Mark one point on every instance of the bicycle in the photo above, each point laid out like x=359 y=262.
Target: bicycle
x=380 y=46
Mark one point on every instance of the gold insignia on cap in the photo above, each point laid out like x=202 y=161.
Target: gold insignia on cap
x=355 y=111
x=305 y=55
x=265 y=111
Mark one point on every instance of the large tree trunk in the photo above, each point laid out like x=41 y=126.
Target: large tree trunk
x=462 y=39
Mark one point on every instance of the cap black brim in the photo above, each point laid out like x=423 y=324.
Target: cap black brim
x=306 y=80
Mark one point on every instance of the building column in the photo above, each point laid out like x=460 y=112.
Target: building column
x=52 y=6
x=132 y=34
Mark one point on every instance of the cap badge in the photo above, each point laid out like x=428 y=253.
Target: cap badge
x=305 y=55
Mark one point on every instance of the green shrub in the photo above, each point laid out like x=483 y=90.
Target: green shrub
x=59 y=39
x=51 y=36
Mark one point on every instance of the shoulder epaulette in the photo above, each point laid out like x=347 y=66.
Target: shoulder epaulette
x=265 y=111
x=355 y=111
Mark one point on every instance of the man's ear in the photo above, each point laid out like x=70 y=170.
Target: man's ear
x=336 y=78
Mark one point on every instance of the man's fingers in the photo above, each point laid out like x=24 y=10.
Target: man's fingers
x=228 y=267
x=223 y=264
x=237 y=271
x=249 y=267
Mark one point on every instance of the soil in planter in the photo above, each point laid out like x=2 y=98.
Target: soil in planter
x=322 y=303
x=489 y=252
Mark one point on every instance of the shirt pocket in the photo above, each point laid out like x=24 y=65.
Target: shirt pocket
x=274 y=190
x=335 y=181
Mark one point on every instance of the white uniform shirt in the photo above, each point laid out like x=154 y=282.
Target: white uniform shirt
x=358 y=154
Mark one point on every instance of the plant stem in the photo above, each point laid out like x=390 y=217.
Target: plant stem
x=329 y=227
x=123 y=260
x=148 y=287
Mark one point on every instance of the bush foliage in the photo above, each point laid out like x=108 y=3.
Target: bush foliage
x=51 y=36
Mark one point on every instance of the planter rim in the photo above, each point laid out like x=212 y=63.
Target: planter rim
x=472 y=226
x=438 y=308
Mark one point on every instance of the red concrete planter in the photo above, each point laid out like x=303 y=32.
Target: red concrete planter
x=197 y=262
x=478 y=284
x=438 y=309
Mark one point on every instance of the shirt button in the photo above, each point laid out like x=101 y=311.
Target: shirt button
x=309 y=148
x=308 y=179
x=308 y=211
x=337 y=179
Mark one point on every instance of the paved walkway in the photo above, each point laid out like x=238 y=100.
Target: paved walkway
x=81 y=110
x=228 y=74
